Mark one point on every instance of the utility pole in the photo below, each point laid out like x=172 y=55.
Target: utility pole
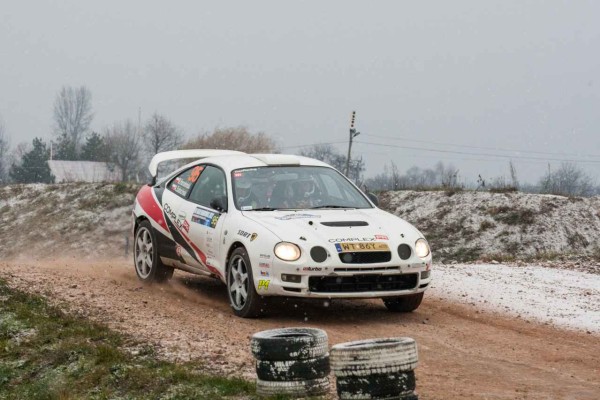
x=353 y=134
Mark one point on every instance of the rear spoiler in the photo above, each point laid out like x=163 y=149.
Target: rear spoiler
x=182 y=154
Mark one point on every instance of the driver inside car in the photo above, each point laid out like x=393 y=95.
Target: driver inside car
x=245 y=196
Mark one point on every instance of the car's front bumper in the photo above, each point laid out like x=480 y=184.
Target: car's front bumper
x=355 y=284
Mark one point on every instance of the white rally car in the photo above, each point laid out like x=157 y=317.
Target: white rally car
x=275 y=225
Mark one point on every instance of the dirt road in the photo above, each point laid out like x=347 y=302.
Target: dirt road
x=464 y=353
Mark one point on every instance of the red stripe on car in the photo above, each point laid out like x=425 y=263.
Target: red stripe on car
x=151 y=207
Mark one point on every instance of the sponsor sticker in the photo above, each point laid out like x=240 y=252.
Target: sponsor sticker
x=265 y=256
x=185 y=225
x=381 y=237
x=205 y=217
x=263 y=284
x=195 y=174
x=361 y=246
x=312 y=269
x=264 y=265
x=297 y=216
x=264 y=273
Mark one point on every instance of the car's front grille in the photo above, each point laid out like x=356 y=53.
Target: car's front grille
x=361 y=283
x=365 y=257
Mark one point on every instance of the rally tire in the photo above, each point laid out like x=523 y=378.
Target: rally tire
x=289 y=344
x=148 y=266
x=374 y=356
x=248 y=304
x=313 y=387
x=392 y=385
x=293 y=370
x=408 y=303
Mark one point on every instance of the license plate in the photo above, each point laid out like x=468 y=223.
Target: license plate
x=360 y=246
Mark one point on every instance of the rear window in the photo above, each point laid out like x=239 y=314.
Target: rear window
x=183 y=182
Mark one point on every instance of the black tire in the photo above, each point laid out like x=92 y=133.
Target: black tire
x=315 y=387
x=377 y=386
x=239 y=275
x=293 y=370
x=406 y=303
x=148 y=266
x=288 y=344
x=374 y=357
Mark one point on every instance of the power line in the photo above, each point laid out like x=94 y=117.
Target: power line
x=477 y=154
x=479 y=147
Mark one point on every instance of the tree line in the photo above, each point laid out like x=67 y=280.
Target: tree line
x=127 y=147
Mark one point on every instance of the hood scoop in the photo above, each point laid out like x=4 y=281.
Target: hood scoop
x=342 y=224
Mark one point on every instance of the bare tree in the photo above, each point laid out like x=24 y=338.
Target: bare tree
x=239 y=138
x=72 y=115
x=4 y=147
x=123 y=142
x=567 y=180
x=328 y=154
x=160 y=134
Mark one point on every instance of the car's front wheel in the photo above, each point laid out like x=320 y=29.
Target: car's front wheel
x=148 y=266
x=406 y=303
x=244 y=299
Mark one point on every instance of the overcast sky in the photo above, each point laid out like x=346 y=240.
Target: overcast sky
x=521 y=75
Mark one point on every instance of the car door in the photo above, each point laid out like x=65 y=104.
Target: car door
x=173 y=197
x=205 y=209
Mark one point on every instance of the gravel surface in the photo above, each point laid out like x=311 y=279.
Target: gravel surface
x=466 y=351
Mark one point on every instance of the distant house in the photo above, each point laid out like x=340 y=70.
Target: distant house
x=83 y=171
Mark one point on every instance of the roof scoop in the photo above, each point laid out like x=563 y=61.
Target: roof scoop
x=343 y=224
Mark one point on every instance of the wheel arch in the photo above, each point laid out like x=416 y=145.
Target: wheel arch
x=138 y=221
x=234 y=245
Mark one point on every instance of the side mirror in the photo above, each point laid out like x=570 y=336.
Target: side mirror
x=373 y=197
x=219 y=203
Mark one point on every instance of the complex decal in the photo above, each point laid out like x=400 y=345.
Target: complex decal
x=205 y=217
x=297 y=216
x=361 y=246
x=363 y=239
x=263 y=284
x=179 y=221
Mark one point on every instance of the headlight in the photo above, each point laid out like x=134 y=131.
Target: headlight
x=287 y=251
x=421 y=248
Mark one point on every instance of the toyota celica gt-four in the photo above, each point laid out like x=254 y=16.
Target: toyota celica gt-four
x=275 y=225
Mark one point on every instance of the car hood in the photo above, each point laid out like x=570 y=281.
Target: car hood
x=335 y=226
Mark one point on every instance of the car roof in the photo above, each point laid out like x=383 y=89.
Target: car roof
x=237 y=161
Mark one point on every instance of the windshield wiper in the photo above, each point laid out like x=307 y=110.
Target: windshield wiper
x=263 y=209
x=331 y=206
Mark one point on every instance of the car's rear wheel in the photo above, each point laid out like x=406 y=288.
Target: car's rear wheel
x=244 y=299
x=403 y=303
x=148 y=266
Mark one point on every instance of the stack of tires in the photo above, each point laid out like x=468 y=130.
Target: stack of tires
x=375 y=369
x=291 y=361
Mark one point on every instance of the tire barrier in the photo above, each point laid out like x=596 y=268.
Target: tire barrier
x=291 y=361
x=375 y=369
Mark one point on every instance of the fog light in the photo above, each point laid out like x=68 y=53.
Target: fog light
x=425 y=274
x=291 y=278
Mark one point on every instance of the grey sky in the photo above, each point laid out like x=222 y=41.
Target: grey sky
x=510 y=74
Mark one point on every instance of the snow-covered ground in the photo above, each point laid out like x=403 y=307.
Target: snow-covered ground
x=568 y=299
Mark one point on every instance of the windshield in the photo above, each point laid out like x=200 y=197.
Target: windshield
x=284 y=188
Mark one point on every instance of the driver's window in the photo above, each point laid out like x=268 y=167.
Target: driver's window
x=210 y=186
